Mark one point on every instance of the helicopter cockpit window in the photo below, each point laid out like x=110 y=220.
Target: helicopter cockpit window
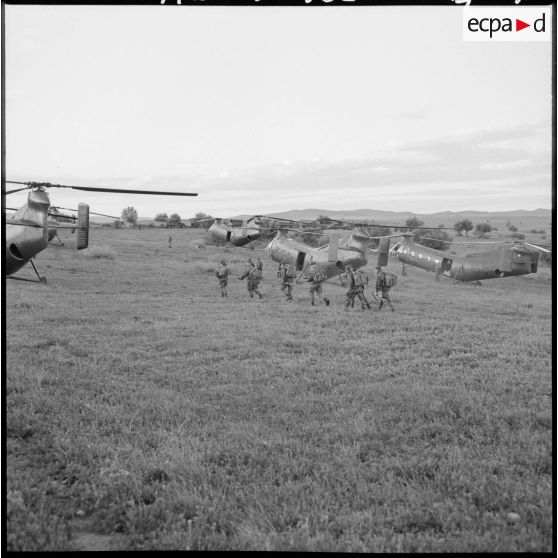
x=14 y=251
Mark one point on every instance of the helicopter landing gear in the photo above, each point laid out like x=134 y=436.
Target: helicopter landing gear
x=43 y=279
x=60 y=243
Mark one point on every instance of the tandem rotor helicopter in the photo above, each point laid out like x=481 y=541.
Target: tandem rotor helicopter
x=352 y=247
x=27 y=232
x=503 y=261
x=243 y=232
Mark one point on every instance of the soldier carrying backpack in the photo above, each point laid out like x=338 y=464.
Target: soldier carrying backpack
x=384 y=282
x=288 y=280
x=356 y=280
x=316 y=277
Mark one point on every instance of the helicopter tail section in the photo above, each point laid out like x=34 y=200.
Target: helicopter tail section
x=383 y=251
x=83 y=226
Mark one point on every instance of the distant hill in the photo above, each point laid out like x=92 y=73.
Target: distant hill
x=378 y=215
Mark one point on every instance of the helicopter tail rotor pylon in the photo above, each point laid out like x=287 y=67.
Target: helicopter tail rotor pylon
x=83 y=226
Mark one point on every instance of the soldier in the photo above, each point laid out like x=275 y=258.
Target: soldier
x=316 y=277
x=254 y=277
x=222 y=272
x=259 y=265
x=281 y=270
x=288 y=280
x=355 y=288
x=382 y=288
x=361 y=279
x=170 y=241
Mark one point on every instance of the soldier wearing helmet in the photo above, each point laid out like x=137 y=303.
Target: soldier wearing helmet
x=316 y=277
x=383 y=288
x=254 y=275
x=288 y=280
x=356 y=281
x=222 y=273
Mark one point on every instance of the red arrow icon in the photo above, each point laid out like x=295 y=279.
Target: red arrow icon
x=519 y=25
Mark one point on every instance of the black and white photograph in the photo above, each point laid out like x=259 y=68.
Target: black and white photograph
x=278 y=276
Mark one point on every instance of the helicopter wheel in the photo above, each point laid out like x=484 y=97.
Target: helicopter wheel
x=44 y=280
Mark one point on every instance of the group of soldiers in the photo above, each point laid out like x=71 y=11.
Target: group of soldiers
x=356 y=280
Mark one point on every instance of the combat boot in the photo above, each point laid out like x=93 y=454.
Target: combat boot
x=312 y=302
x=326 y=300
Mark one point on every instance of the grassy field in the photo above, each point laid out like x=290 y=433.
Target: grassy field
x=143 y=411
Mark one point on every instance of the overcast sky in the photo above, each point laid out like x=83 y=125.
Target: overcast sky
x=263 y=109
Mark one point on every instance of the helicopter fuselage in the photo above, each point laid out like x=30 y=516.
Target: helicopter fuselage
x=332 y=258
x=24 y=241
x=499 y=262
x=234 y=235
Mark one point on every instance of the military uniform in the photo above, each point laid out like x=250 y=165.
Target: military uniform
x=355 y=284
x=288 y=280
x=222 y=273
x=383 y=288
x=254 y=277
x=317 y=276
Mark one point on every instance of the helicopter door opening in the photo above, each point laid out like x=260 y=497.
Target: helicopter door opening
x=228 y=236
x=446 y=265
x=15 y=252
x=300 y=261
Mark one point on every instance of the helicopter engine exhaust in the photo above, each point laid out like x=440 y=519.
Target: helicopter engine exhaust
x=83 y=226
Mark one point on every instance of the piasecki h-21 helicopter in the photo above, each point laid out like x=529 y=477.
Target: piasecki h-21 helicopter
x=352 y=247
x=504 y=261
x=27 y=232
x=343 y=249
x=235 y=232
x=243 y=232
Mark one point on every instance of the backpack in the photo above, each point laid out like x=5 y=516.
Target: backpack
x=359 y=279
x=391 y=279
x=290 y=272
x=221 y=271
x=255 y=274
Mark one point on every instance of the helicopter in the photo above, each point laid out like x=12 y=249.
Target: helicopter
x=341 y=250
x=235 y=232
x=504 y=261
x=57 y=217
x=27 y=232
x=349 y=248
x=242 y=232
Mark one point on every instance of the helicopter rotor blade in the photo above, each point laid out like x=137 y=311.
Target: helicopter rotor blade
x=98 y=189
x=537 y=247
x=90 y=213
x=14 y=191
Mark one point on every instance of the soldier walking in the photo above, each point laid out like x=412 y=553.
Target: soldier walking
x=222 y=272
x=383 y=288
x=355 y=288
x=316 y=277
x=288 y=280
x=254 y=277
x=361 y=279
